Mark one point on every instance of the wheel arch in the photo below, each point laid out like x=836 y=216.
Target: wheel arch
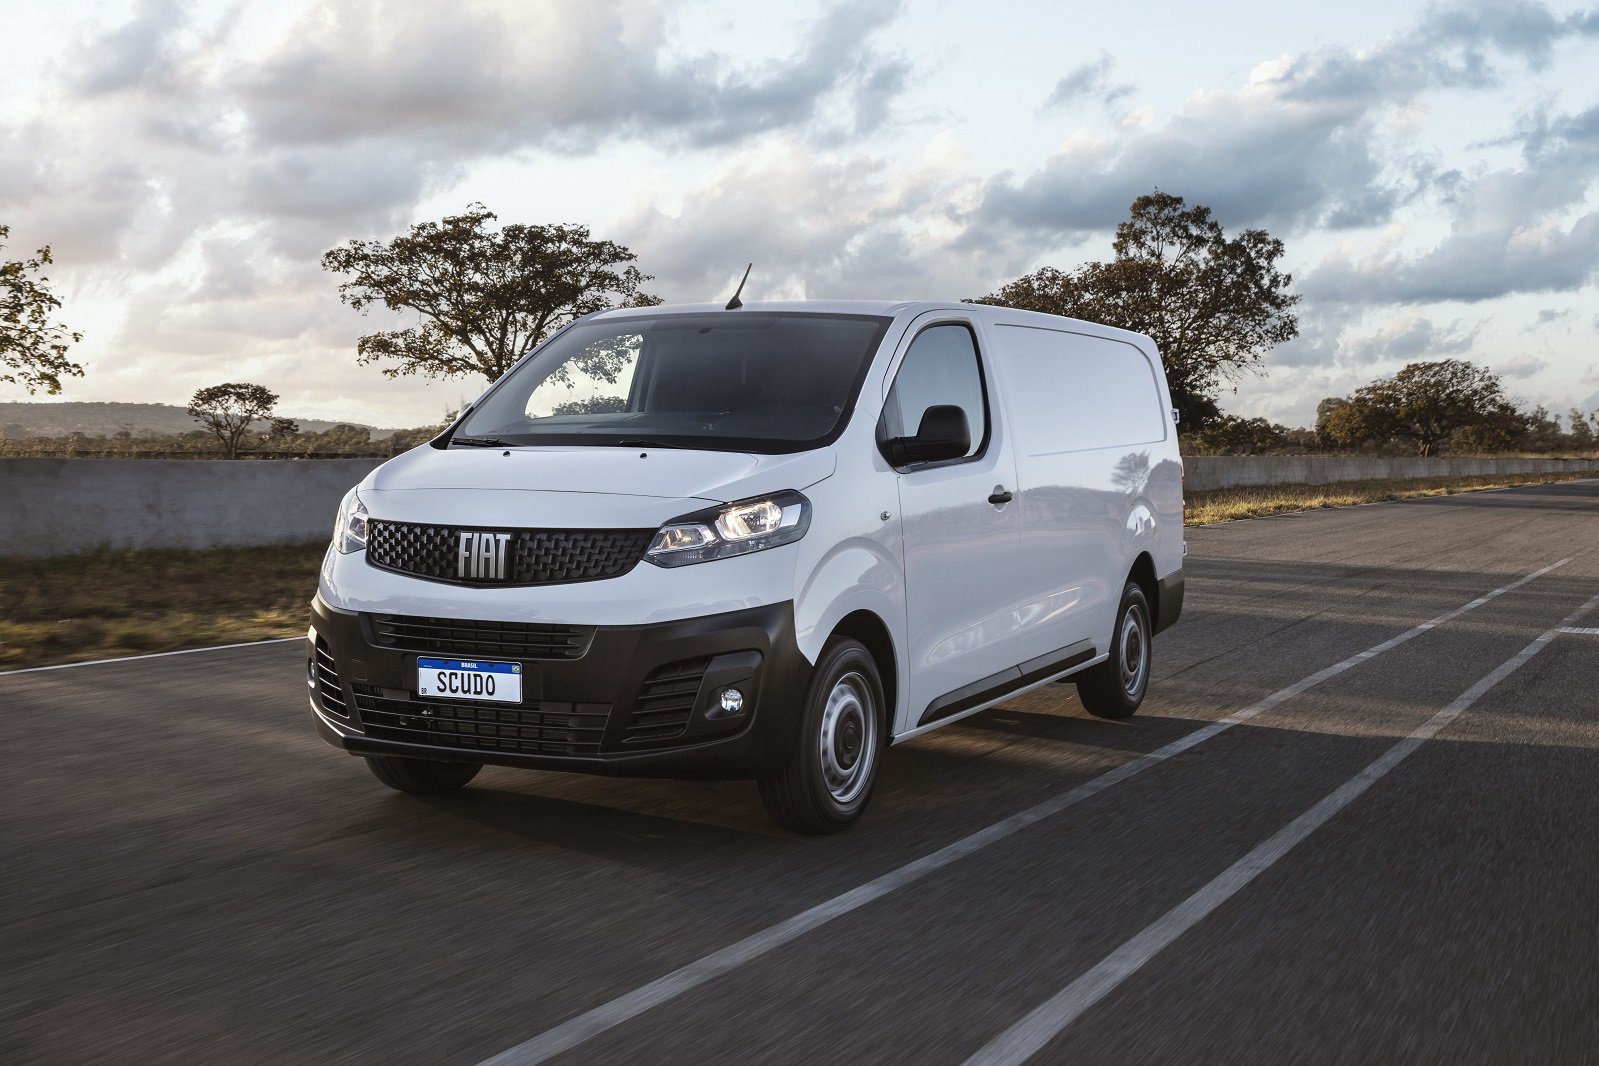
x=1143 y=574
x=869 y=628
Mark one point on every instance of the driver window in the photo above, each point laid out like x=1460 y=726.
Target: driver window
x=941 y=367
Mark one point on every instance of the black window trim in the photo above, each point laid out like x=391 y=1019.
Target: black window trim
x=982 y=383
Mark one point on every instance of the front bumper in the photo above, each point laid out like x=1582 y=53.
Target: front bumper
x=626 y=700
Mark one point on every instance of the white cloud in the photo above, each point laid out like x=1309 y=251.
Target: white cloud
x=1513 y=230
x=476 y=77
x=1521 y=366
x=1295 y=147
x=829 y=225
x=1089 y=81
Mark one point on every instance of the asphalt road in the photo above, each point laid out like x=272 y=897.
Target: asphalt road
x=188 y=874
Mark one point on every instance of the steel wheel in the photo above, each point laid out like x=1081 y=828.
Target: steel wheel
x=847 y=740
x=1115 y=687
x=831 y=768
x=1133 y=659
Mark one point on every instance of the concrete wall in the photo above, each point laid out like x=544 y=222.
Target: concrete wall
x=1203 y=472
x=62 y=506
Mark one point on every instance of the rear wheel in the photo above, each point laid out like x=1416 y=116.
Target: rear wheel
x=421 y=776
x=831 y=772
x=1116 y=687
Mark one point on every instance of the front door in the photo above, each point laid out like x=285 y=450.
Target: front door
x=961 y=534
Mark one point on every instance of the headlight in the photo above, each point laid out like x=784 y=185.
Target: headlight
x=349 y=531
x=732 y=529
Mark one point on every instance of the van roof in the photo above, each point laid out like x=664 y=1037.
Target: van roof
x=894 y=309
x=889 y=308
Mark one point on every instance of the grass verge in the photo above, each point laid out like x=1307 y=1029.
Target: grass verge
x=1225 y=505
x=111 y=603
x=105 y=604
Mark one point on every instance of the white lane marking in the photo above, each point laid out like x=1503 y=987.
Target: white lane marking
x=151 y=655
x=1045 y=1022
x=591 y=1023
x=1581 y=631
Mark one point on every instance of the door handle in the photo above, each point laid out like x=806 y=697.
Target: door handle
x=1000 y=495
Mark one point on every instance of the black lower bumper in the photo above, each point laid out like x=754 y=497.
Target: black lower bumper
x=625 y=700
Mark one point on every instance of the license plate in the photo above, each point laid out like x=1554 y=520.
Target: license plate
x=469 y=679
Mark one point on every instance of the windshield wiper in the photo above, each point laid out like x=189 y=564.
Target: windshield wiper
x=479 y=442
x=636 y=442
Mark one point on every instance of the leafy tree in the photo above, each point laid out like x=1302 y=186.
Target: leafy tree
x=1215 y=305
x=1503 y=429
x=33 y=348
x=1325 y=412
x=1354 y=422
x=229 y=411
x=343 y=438
x=1231 y=435
x=1428 y=404
x=486 y=297
x=1581 y=433
x=1540 y=432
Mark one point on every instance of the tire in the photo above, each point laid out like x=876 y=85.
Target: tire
x=1116 y=687
x=833 y=767
x=422 y=777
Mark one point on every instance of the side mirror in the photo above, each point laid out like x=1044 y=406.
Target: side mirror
x=943 y=434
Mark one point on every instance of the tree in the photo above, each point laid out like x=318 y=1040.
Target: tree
x=1355 y=422
x=1428 y=404
x=1540 y=432
x=1215 y=305
x=1230 y=435
x=1581 y=433
x=230 y=410
x=486 y=297
x=1325 y=412
x=33 y=348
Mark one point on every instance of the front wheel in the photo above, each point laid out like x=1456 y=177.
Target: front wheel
x=421 y=776
x=830 y=773
x=1116 y=687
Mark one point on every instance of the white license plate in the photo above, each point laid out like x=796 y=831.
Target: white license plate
x=469 y=679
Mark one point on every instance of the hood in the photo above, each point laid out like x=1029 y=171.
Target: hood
x=649 y=476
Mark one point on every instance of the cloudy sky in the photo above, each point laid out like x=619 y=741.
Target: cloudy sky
x=1433 y=169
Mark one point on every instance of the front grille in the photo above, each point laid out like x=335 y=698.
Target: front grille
x=470 y=638
x=328 y=689
x=665 y=703
x=540 y=729
x=533 y=556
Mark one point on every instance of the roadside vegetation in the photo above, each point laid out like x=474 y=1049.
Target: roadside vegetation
x=112 y=603
x=339 y=442
x=1226 y=505
x=1448 y=407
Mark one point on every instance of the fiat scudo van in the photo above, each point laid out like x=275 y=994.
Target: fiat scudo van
x=761 y=543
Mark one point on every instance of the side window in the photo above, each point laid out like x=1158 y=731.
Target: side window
x=940 y=368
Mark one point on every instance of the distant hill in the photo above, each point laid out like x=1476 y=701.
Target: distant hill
x=104 y=419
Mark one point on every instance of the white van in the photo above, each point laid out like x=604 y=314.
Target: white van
x=762 y=543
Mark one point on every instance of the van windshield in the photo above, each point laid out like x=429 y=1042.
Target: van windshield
x=729 y=381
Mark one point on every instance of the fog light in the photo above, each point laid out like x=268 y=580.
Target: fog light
x=732 y=700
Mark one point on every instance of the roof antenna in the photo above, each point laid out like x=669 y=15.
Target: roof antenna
x=735 y=303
